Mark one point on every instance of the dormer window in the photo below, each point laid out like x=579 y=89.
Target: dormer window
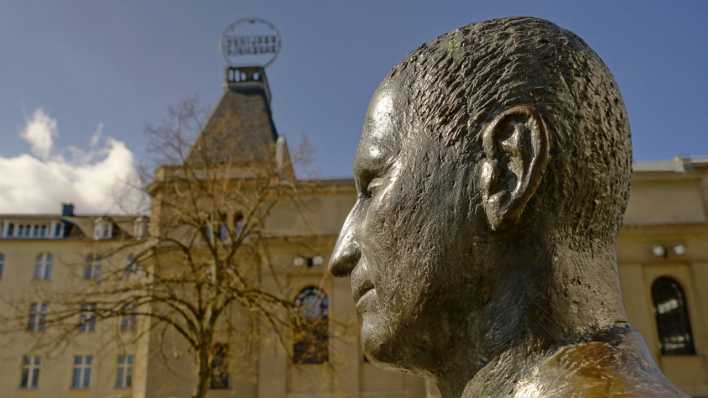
x=103 y=229
x=58 y=230
x=140 y=227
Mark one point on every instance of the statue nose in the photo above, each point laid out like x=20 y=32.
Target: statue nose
x=346 y=252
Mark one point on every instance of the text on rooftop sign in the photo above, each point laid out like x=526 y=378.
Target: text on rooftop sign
x=250 y=42
x=243 y=45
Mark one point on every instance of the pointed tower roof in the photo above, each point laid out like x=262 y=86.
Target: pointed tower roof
x=240 y=129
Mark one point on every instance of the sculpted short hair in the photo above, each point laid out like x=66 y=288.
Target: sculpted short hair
x=459 y=82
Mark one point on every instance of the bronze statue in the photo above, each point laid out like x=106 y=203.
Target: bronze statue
x=492 y=176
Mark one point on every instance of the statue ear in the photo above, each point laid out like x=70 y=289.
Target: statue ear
x=516 y=149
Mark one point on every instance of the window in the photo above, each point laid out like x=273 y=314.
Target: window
x=43 y=267
x=128 y=319
x=59 y=230
x=124 y=372
x=672 y=321
x=30 y=371
x=36 y=322
x=103 y=229
x=131 y=267
x=140 y=227
x=81 y=373
x=224 y=235
x=220 y=367
x=312 y=338
x=92 y=270
x=9 y=230
x=239 y=223
x=2 y=264
x=87 y=318
x=209 y=233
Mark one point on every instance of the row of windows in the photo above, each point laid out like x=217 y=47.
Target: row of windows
x=44 y=265
x=103 y=229
x=37 y=318
x=80 y=373
x=34 y=230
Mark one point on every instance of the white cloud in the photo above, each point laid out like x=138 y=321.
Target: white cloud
x=100 y=179
x=40 y=132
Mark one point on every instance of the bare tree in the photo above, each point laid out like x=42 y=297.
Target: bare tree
x=204 y=256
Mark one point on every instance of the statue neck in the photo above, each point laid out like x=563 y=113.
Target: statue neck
x=542 y=301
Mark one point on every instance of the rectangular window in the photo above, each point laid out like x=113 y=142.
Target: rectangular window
x=59 y=230
x=124 y=372
x=43 y=267
x=92 y=271
x=81 y=373
x=131 y=267
x=30 y=371
x=128 y=320
x=37 y=319
x=87 y=318
x=2 y=264
x=224 y=234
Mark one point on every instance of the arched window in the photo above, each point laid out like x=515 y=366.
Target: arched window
x=43 y=267
x=672 y=320
x=312 y=337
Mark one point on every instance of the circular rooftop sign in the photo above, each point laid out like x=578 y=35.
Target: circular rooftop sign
x=250 y=42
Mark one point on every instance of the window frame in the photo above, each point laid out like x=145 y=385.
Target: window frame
x=87 y=318
x=311 y=345
x=672 y=316
x=29 y=372
x=43 y=266
x=37 y=319
x=124 y=371
x=93 y=268
x=81 y=372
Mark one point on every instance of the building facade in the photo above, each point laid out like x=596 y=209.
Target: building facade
x=663 y=256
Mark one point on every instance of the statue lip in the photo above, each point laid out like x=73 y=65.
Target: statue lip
x=359 y=290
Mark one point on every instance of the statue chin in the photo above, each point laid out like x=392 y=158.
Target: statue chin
x=378 y=344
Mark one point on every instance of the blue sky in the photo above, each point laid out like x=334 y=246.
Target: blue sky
x=118 y=65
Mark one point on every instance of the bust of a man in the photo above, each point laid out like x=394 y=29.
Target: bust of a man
x=492 y=176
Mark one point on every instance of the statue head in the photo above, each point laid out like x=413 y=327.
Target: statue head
x=492 y=176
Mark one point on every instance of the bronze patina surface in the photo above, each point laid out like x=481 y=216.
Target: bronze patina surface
x=492 y=175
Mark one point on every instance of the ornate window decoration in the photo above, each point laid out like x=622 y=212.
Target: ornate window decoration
x=311 y=338
x=672 y=320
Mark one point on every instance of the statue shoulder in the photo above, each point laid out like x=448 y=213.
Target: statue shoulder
x=599 y=369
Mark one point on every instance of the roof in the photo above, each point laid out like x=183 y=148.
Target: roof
x=679 y=164
x=241 y=128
